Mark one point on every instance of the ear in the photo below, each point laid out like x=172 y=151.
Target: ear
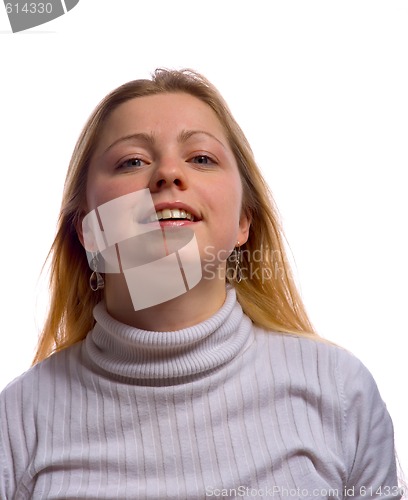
x=88 y=230
x=79 y=229
x=244 y=226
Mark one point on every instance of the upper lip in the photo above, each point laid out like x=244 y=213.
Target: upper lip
x=176 y=204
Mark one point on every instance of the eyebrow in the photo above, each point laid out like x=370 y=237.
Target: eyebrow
x=183 y=136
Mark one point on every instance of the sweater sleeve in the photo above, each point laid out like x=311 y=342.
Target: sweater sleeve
x=368 y=435
x=5 y=473
x=13 y=448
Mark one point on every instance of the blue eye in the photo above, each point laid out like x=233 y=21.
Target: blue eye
x=131 y=163
x=202 y=160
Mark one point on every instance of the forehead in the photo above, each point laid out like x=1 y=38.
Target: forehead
x=160 y=114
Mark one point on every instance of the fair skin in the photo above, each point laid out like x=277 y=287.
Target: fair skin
x=179 y=151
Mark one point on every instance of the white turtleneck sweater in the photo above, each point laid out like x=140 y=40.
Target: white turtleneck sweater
x=221 y=409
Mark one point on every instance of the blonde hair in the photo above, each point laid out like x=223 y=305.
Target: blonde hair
x=267 y=292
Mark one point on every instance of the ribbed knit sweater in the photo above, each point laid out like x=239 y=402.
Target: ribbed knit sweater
x=220 y=409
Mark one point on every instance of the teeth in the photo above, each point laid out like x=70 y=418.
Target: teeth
x=166 y=214
x=175 y=213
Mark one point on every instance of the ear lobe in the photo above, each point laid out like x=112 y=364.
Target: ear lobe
x=244 y=227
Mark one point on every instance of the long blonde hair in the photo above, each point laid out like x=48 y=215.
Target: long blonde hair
x=267 y=293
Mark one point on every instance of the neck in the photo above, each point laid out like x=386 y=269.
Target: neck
x=154 y=358
x=188 y=309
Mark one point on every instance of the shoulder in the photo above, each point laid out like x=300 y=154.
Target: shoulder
x=25 y=406
x=28 y=400
x=317 y=365
x=342 y=389
x=40 y=379
x=313 y=354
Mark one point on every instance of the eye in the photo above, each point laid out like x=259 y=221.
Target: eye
x=131 y=163
x=203 y=160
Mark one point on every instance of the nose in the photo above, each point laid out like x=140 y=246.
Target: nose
x=168 y=174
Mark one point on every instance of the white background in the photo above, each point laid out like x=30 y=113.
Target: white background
x=320 y=89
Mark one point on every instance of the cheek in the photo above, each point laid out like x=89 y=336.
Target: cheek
x=100 y=190
x=228 y=213
x=232 y=201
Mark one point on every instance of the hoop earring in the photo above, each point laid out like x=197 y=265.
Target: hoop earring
x=96 y=281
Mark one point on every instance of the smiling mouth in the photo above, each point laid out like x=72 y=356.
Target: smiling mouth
x=171 y=214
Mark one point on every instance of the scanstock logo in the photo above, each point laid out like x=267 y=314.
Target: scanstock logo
x=24 y=15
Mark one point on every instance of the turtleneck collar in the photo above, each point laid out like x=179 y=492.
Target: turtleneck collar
x=168 y=358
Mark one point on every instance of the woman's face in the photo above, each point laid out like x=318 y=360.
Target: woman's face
x=174 y=145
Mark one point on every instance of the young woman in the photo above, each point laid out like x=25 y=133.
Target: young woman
x=223 y=388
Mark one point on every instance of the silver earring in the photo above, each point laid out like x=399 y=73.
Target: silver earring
x=235 y=261
x=238 y=271
x=96 y=281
